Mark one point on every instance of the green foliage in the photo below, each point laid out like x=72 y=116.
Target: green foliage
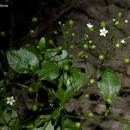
x=42 y=44
x=127 y=128
x=32 y=48
x=38 y=121
x=53 y=74
x=69 y=125
x=48 y=126
x=22 y=60
x=48 y=71
x=69 y=84
x=59 y=57
x=10 y=118
x=109 y=84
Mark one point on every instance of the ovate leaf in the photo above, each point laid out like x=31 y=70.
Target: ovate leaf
x=69 y=125
x=10 y=117
x=42 y=43
x=48 y=71
x=59 y=57
x=21 y=61
x=38 y=121
x=69 y=84
x=127 y=128
x=109 y=84
x=33 y=49
x=48 y=126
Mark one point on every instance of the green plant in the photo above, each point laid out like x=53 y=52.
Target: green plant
x=53 y=65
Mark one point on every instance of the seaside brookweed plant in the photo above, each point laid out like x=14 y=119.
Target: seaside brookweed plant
x=54 y=65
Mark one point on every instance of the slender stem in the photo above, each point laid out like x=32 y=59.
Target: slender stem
x=114 y=58
x=119 y=118
x=21 y=38
x=12 y=24
x=36 y=94
x=92 y=122
x=22 y=85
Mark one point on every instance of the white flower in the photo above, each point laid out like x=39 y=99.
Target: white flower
x=103 y=32
x=10 y=100
x=89 y=25
x=123 y=41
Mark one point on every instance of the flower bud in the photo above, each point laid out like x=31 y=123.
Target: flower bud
x=59 y=48
x=103 y=24
x=2 y=34
x=51 y=42
x=126 y=21
x=126 y=60
x=55 y=32
x=89 y=115
x=66 y=67
x=71 y=23
x=101 y=57
x=91 y=29
x=72 y=46
x=32 y=32
x=77 y=124
x=86 y=46
x=93 y=47
x=86 y=36
x=30 y=89
x=80 y=53
x=91 y=81
x=117 y=45
x=34 y=19
x=90 y=42
x=119 y=14
x=34 y=107
x=59 y=23
x=108 y=101
x=63 y=25
x=116 y=23
x=73 y=34
x=114 y=20
x=86 y=56
x=87 y=96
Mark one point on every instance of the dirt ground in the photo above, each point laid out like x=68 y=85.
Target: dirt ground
x=83 y=12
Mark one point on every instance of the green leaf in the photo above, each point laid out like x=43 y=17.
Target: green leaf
x=10 y=117
x=56 y=113
x=48 y=71
x=21 y=61
x=37 y=122
x=127 y=128
x=69 y=125
x=2 y=104
x=61 y=58
x=34 y=50
x=5 y=128
x=41 y=119
x=42 y=44
x=48 y=126
x=69 y=84
x=109 y=84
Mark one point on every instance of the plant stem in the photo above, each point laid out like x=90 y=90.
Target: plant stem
x=21 y=38
x=119 y=118
x=104 y=116
x=12 y=24
x=91 y=122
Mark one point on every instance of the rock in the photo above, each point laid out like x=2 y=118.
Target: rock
x=100 y=109
x=128 y=70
